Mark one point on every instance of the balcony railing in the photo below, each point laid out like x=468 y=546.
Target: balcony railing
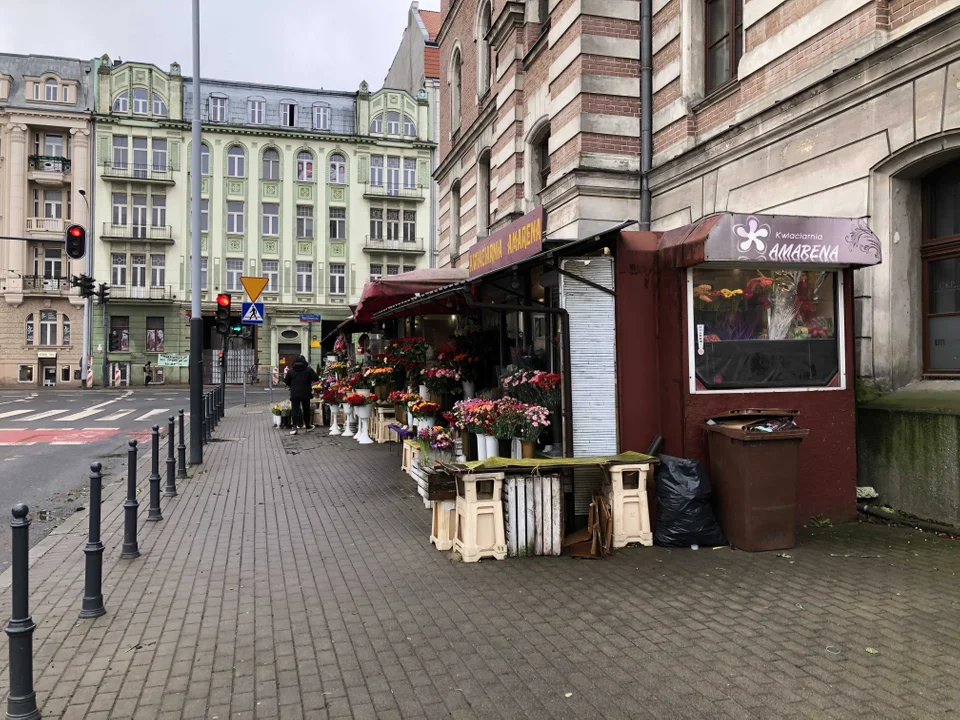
x=157 y=233
x=392 y=190
x=49 y=163
x=138 y=172
x=45 y=225
x=379 y=244
x=141 y=292
x=56 y=285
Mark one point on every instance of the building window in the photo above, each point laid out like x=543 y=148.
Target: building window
x=204 y=215
x=236 y=160
x=121 y=144
x=409 y=225
x=455 y=220
x=139 y=219
x=159 y=106
x=304 y=221
x=376 y=125
x=409 y=268
x=158 y=270
x=393 y=123
x=48 y=327
x=483 y=195
x=138 y=271
x=64 y=370
x=271 y=219
x=483 y=50
x=544 y=11
x=305 y=166
x=140 y=101
x=218 y=109
x=203 y=273
x=393 y=176
x=409 y=173
x=66 y=94
x=338 y=223
x=119 y=209
x=393 y=224
x=140 y=157
x=204 y=159
x=338 y=279
x=456 y=71
x=376 y=224
x=52 y=263
x=288 y=114
x=28 y=330
x=51 y=90
x=52 y=204
x=724 y=41
x=160 y=155
x=271 y=271
x=118 y=269
x=119 y=333
x=255 y=112
x=376 y=271
x=409 y=127
x=25 y=374
x=53 y=145
x=376 y=170
x=543 y=160
x=154 y=334
x=393 y=270
x=338 y=169
x=122 y=103
x=65 y=325
x=304 y=277
x=159 y=209
x=234 y=273
x=940 y=252
x=235 y=217
x=321 y=117
x=271 y=164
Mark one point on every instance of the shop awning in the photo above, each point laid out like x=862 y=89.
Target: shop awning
x=783 y=239
x=392 y=289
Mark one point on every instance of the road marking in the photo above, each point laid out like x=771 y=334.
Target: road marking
x=41 y=416
x=11 y=413
x=146 y=415
x=116 y=416
x=92 y=410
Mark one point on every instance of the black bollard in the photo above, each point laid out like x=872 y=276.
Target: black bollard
x=130 y=548
x=203 y=422
x=93 y=584
x=22 y=702
x=171 y=489
x=215 y=407
x=153 y=510
x=182 y=450
x=223 y=402
x=209 y=417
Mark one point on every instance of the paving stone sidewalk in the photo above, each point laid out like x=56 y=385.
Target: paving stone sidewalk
x=293 y=578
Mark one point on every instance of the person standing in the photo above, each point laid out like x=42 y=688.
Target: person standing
x=147 y=374
x=300 y=379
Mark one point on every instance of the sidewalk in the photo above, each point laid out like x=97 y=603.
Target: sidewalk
x=293 y=578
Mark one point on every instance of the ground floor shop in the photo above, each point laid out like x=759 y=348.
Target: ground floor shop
x=41 y=341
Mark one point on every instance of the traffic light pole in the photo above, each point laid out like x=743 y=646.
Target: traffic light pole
x=106 y=341
x=196 y=320
x=223 y=369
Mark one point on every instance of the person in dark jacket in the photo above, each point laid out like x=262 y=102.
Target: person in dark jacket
x=300 y=380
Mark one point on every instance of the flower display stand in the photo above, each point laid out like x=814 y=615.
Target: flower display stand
x=334 y=419
x=363 y=412
x=381 y=433
x=348 y=419
x=444 y=524
x=411 y=453
x=533 y=507
x=480 y=531
x=627 y=496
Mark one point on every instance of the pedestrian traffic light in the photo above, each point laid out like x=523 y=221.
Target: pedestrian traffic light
x=223 y=313
x=86 y=286
x=236 y=328
x=76 y=242
x=103 y=293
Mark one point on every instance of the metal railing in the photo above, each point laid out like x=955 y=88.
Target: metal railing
x=141 y=292
x=49 y=163
x=42 y=224
x=52 y=284
x=378 y=243
x=138 y=171
x=138 y=232
x=392 y=190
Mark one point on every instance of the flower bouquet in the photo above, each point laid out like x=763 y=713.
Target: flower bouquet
x=356 y=400
x=443 y=381
x=380 y=378
x=437 y=439
x=534 y=387
x=339 y=369
x=532 y=420
x=424 y=413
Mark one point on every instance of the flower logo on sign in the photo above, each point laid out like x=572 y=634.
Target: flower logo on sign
x=752 y=233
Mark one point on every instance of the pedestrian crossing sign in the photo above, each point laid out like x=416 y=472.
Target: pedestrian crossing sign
x=251 y=313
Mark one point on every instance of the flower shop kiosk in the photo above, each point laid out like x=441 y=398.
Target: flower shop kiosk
x=749 y=311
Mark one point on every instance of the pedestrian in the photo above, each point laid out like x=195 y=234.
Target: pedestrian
x=300 y=379
x=147 y=374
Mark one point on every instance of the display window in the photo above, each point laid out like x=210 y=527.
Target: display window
x=765 y=329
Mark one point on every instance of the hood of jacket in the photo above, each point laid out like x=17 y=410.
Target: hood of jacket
x=300 y=364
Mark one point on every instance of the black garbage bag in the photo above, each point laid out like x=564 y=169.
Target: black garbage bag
x=684 y=514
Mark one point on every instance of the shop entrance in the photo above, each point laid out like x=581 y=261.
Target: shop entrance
x=287 y=354
x=119 y=373
x=48 y=374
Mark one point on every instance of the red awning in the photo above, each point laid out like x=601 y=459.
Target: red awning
x=393 y=289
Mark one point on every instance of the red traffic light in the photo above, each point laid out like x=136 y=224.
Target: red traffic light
x=75 y=231
x=223 y=301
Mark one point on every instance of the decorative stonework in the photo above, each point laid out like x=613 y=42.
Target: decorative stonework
x=235 y=187
x=204 y=243
x=304 y=191
x=140 y=76
x=270 y=247
x=270 y=189
x=205 y=185
x=336 y=249
x=304 y=247
x=336 y=194
x=234 y=244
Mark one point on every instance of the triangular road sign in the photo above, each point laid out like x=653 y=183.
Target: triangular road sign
x=254 y=286
x=252 y=315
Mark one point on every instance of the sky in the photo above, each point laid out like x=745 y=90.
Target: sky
x=333 y=44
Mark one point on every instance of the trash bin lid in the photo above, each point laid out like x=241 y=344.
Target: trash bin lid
x=735 y=424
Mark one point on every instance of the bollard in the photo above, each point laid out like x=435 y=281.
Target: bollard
x=171 y=489
x=22 y=701
x=223 y=402
x=130 y=548
x=203 y=421
x=182 y=450
x=93 y=582
x=209 y=417
x=207 y=421
x=153 y=510
x=216 y=407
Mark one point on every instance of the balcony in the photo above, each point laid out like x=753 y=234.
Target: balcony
x=391 y=190
x=138 y=172
x=43 y=226
x=379 y=244
x=141 y=292
x=51 y=285
x=48 y=170
x=149 y=233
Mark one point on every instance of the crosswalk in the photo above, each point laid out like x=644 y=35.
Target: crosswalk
x=28 y=416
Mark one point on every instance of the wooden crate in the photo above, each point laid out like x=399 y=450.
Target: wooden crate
x=434 y=486
x=533 y=513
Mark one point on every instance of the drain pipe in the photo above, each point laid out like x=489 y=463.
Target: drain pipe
x=646 y=109
x=894 y=517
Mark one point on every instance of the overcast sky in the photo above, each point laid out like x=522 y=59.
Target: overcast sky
x=332 y=44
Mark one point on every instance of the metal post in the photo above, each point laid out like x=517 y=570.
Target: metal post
x=22 y=702
x=93 y=582
x=130 y=548
x=203 y=422
x=171 y=489
x=153 y=510
x=106 y=346
x=209 y=416
x=245 y=372
x=215 y=406
x=223 y=401
x=196 y=320
x=182 y=450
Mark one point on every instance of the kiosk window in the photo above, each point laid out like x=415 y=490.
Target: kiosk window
x=768 y=328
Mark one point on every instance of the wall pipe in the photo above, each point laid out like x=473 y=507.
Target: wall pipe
x=897 y=519
x=646 y=110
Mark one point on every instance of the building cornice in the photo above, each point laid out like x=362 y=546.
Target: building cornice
x=510 y=17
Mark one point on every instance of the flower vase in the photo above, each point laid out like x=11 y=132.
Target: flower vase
x=363 y=391
x=469 y=389
x=334 y=421
x=381 y=391
x=363 y=413
x=493 y=446
x=276 y=421
x=348 y=416
x=425 y=423
x=526 y=449
x=424 y=393
x=481 y=446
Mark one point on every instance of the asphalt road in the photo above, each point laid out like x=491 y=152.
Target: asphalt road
x=49 y=438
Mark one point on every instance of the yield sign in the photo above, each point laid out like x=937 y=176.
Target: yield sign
x=254 y=286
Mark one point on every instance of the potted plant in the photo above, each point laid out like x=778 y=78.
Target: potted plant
x=277 y=412
x=380 y=378
x=442 y=381
x=531 y=421
x=424 y=412
x=437 y=439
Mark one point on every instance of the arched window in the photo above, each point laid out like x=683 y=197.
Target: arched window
x=159 y=106
x=338 y=169
x=51 y=90
x=236 y=161
x=483 y=194
x=271 y=164
x=140 y=101
x=66 y=330
x=455 y=220
x=409 y=127
x=48 y=327
x=456 y=71
x=122 y=103
x=204 y=159
x=28 y=330
x=483 y=50
x=539 y=154
x=393 y=123
x=305 y=166
x=940 y=252
x=376 y=125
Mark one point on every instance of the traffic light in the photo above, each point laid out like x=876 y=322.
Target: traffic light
x=86 y=286
x=223 y=313
x=222 y=359
x=103 y=293
x=76 y=242
x=236 y=329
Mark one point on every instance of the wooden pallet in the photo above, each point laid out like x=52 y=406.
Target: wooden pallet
x=533 y=513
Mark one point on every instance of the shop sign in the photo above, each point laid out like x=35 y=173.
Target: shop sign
x=517 y=241
x=47 y=354
x=174 y=359
x=793 y=240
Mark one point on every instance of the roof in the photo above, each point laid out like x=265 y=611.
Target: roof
x=431 y=62
x=432 y=20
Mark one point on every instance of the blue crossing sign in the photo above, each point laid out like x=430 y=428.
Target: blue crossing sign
x=251 y=313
